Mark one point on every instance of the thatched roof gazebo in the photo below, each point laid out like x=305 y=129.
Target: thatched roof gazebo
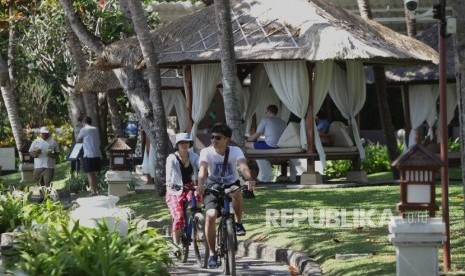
x=420 y=88
x=312 y=30
x=421 y=74
x=324 y=46
x=105 y=81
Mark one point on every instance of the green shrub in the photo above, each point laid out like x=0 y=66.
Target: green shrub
x=453 y=145
x=47 y=212
x=11 y=208
x=377 y=159
x=78 y=182
x=337 y=168
x=56 y=249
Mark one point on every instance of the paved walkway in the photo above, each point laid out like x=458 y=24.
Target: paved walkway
x=252 y=258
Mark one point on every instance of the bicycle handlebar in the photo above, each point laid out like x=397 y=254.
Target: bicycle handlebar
x=183 y=187
x=222 y=192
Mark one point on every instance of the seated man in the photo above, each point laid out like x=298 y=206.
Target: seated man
x=271 y=127
x=322 y=125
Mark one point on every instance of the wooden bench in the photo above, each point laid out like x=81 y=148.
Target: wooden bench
x=282 y=158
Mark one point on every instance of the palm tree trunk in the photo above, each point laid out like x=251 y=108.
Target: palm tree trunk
x=153 y=71
x=114 y=112
x=229 y=70
x=6 y=80
x=458 y=8
x=383 y=104
x=10 y=105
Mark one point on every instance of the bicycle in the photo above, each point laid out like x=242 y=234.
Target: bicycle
x=226 y=239
x=194 y=230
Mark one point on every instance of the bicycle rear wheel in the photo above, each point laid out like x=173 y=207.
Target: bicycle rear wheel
x=229 y=266
x=200 y=240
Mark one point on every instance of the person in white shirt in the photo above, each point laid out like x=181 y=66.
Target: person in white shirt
x=211 y=173
x=181 y=170
x=90 y=139
x=45 y=151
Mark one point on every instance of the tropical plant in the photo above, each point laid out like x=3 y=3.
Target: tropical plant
x=56 y=249
x=377 y=159
x=453 y=145
x=11 y=208
x=337 y=168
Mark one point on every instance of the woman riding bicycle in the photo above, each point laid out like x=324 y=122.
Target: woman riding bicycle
x=211 y=165
x=181 y=168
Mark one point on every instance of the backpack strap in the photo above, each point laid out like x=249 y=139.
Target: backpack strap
x=225 y=162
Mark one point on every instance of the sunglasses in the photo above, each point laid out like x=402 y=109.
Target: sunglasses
x=216 y=137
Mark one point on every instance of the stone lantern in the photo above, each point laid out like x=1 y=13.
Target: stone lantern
x=118 y=151
x=418 y=168
x=25 y=156
x=417 y=238
x=27 y=164
x=118 y=176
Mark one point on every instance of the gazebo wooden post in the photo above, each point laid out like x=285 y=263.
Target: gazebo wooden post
x=310 y=176
x=187 y=73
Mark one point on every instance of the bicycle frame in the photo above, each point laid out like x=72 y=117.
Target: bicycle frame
x=226 y=240
x=188 y=216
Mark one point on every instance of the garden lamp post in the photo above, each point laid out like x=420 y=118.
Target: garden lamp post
x=439 y=11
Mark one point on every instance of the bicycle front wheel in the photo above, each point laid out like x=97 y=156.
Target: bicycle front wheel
x=229 y=267
x=200 y=240
x=185 y=247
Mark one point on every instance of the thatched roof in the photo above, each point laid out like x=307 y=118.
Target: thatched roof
x=273 y=30
x=100 y=81
x=421 y=74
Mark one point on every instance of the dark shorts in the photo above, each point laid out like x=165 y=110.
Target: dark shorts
x=91 y=164
x=261 y=145
x=211 y=201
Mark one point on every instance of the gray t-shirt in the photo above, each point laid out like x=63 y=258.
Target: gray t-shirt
x=272 y=128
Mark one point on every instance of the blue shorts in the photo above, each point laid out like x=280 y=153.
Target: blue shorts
x=261 y=145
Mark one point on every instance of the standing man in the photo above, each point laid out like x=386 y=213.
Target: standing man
x=213 y=171
x=89 y=137
x=45 y=151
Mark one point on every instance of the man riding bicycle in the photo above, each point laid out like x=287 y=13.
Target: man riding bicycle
x=212 y=172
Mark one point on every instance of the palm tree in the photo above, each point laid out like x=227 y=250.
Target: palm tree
x=152 y=119
x=229 y=70
x=7 y=77
x=458 y=9
x=10 y=104
x=153 y=71
x=383 y=105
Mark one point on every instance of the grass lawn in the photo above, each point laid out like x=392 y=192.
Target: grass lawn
x=321 y=239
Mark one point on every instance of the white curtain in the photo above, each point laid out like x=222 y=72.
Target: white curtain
x=205 y=78
x=430 y=121
x=290 y=82
x=259 y=82
x=321 y=80
x=175 y=98
x=422 y=99
x=245 y=101
x=348 y=93
x=451 y=101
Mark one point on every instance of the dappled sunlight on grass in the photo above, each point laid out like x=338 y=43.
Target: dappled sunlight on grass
x=320 y=239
